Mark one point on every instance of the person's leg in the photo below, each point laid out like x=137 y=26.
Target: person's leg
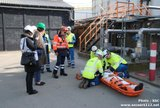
x=29 y=83
x=48 y=63
x=37 y=77
x=68 y=58
x=62 y=68
x=56 y=67
x=72 y=57
x=122 y=71
x=81 y=85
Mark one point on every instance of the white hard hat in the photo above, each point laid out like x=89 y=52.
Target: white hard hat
x=34 y=27
x=94 y=48
x=69 y=28
x=106 y=52
x=29 y=28
x=99 y=52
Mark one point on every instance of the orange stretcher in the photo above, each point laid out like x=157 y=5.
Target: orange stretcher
x=117 y=85
x=122 y=88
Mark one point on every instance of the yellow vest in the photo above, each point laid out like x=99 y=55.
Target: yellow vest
x=93 y=65
x=115 y=60
x=70 y=39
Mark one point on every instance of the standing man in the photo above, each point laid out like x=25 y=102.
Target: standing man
x=71 y=39
x=116 y=63
x=46 y=44
x=60 y=47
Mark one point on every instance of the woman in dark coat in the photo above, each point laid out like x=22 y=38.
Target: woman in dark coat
x=27 y=44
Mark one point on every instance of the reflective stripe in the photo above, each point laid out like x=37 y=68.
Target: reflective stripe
x=152 y=66
x=61 y=47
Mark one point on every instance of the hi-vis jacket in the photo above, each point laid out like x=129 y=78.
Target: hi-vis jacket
x=93 y=65
x=115 y=60
x=71 y=39
x=92 y=55
x=59 y=44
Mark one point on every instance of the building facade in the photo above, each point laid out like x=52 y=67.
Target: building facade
x=101 y=6
x=15 y=15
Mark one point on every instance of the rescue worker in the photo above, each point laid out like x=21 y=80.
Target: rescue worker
x=92 y=70
x=116 y=63
x=60 y=47
x=93 y=54
x=71 y=39
x=46 y=44
x=93 y=51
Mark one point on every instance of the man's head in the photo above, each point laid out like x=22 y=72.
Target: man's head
x=41 y=27
x=94 y=48
x=99 y=54
x=69 y=29
x=107 y=54
x=63 y=31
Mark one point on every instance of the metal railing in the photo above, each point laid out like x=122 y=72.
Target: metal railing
x=118 y=10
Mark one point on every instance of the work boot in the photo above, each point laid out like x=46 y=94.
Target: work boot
x=62 y=73
x=73 y=66
x=48 y=70
x=86 y=84
x=82 y=83
x=69 y=64
x=54 y=75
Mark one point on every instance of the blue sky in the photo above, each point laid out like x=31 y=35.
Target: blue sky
x=79 y=3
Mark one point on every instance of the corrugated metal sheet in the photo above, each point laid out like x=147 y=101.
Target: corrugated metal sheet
x=42 y=3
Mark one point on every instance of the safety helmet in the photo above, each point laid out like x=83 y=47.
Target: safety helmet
x=69 y=28
x=106 y=52
x=94 y=48
x=34 y=27
x=64 y=28
x=41 y=25
x=99 y=52
x=29 y=28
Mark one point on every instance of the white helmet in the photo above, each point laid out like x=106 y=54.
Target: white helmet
x=34 y=28
x=94 y=48
x=106 y=52
x=69 y=28
x=29 y=28
x=99 y=52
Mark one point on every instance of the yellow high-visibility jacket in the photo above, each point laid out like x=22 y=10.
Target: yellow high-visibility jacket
x=93 y=65
x=115 y=60
x=71 y=39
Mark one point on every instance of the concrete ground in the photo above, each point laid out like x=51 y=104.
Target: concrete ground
x=64 y=92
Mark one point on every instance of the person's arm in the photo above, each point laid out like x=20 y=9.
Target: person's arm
x=55 y=40
x=99 y=66
x=49 y=42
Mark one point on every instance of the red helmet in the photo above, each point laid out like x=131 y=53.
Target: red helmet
x=64 y=28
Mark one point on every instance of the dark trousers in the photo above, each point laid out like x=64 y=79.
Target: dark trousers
x=59 y=63
x=29 y=80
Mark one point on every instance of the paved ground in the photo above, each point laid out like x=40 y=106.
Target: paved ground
x=63 y=92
